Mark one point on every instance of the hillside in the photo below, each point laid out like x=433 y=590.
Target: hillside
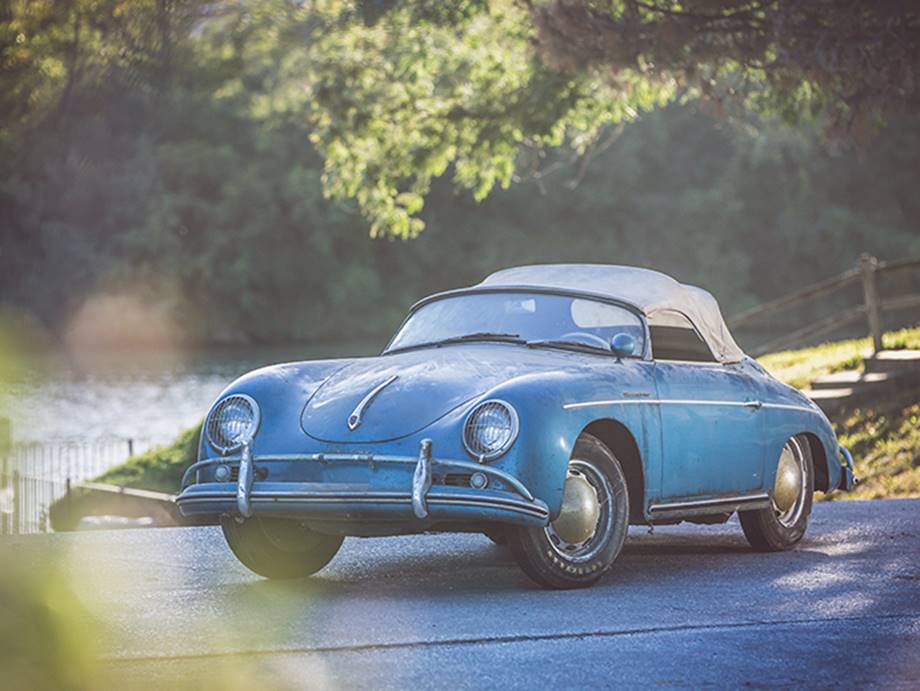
x=799 y=367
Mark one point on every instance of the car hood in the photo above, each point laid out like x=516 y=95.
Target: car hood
x=405 y=392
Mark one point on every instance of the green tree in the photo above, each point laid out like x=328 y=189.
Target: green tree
x=400 y=96
x=194 y=170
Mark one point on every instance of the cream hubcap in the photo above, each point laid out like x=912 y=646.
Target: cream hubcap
x=581 y=509
x=788 y=485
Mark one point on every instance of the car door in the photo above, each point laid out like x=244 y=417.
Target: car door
x=710 y=416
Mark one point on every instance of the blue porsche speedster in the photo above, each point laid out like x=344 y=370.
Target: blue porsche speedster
x=548 y=407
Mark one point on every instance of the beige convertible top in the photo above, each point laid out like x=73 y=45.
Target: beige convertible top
x=649 y=291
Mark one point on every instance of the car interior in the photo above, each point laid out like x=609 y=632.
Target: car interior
x=675 y=338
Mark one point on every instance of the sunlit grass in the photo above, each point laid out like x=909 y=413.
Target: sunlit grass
x=884 y=436
x=799 y=367
x=159 y=469
x=885 y=441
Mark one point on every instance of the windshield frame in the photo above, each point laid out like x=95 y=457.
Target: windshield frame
x=643 y=355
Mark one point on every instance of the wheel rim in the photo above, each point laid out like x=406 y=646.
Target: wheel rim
x=586 y=516
x=790 y=485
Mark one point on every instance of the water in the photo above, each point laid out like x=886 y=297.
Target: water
x=146 y=396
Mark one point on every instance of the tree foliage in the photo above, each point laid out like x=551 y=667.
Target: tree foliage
x=398 y=93
x=856 y=62
x=398 y=100
x=401 y=91
x=185 y=153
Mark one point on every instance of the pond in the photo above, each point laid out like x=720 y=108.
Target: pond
x=141 y=395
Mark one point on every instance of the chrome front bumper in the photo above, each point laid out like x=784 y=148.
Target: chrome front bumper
x=392 y=495
x=848 y=479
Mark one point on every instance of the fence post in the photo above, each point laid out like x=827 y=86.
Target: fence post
x=6 y=446
x=17 y=499
x=868 y=265
x=68 y=503
x=4 y=483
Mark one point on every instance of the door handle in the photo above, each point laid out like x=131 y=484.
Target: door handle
x=637 y=394
x=756 y=405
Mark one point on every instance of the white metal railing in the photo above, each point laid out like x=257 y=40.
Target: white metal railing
x=34 y=475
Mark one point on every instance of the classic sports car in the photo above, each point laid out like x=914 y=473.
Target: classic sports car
x=548 y=407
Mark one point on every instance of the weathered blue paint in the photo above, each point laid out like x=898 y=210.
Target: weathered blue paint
x=697 y=438
x=709 y=399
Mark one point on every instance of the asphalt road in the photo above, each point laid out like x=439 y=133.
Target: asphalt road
x=687 y=606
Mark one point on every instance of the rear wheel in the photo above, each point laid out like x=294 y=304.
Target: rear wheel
x=781 y=525
x=279 y=547
x=581 y=544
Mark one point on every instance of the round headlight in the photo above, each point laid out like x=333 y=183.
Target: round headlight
x=490 y=429
x=233 y=422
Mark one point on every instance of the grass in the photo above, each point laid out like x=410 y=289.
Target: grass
x=158 y=470
x=799 y=367
x=885 y=441
x=884 y=438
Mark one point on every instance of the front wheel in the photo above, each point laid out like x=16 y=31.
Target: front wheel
x=278 y=547
x=581 y=544
x=782 y=524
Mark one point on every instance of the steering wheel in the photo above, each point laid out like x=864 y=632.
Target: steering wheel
x=575 y=335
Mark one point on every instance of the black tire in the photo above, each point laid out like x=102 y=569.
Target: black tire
x=278 y=547
x=538 y=554
x=764 y=529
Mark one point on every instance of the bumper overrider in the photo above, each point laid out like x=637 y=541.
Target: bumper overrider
x=848 y=479
x=391 y=488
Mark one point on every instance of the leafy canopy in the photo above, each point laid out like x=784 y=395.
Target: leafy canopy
x=400 y=92
x=398 y=98
x=159 y=150
x=855 y=63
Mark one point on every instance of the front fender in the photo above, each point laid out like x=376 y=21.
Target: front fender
x=552 y=419
x=281 y=392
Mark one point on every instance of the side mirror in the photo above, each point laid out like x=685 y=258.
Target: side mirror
x=623 y=345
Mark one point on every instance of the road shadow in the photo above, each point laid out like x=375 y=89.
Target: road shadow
x=453 y=566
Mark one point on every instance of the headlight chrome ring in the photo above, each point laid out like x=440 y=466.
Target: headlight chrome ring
x=232 y=422
x=490 y=429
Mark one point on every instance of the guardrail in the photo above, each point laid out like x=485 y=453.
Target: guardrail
x=873 y=306
x=35 y=475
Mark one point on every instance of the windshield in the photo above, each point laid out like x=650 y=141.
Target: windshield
x=524 y=317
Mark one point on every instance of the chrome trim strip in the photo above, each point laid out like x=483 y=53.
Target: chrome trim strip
x=788 y=406
x=369 y=459
x=508 y=505
x=702 y=503
x=354 y=420
x=658 y=401
x=382 y=498
x=379 y=498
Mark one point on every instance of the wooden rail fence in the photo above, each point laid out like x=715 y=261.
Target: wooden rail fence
x=872 y=308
